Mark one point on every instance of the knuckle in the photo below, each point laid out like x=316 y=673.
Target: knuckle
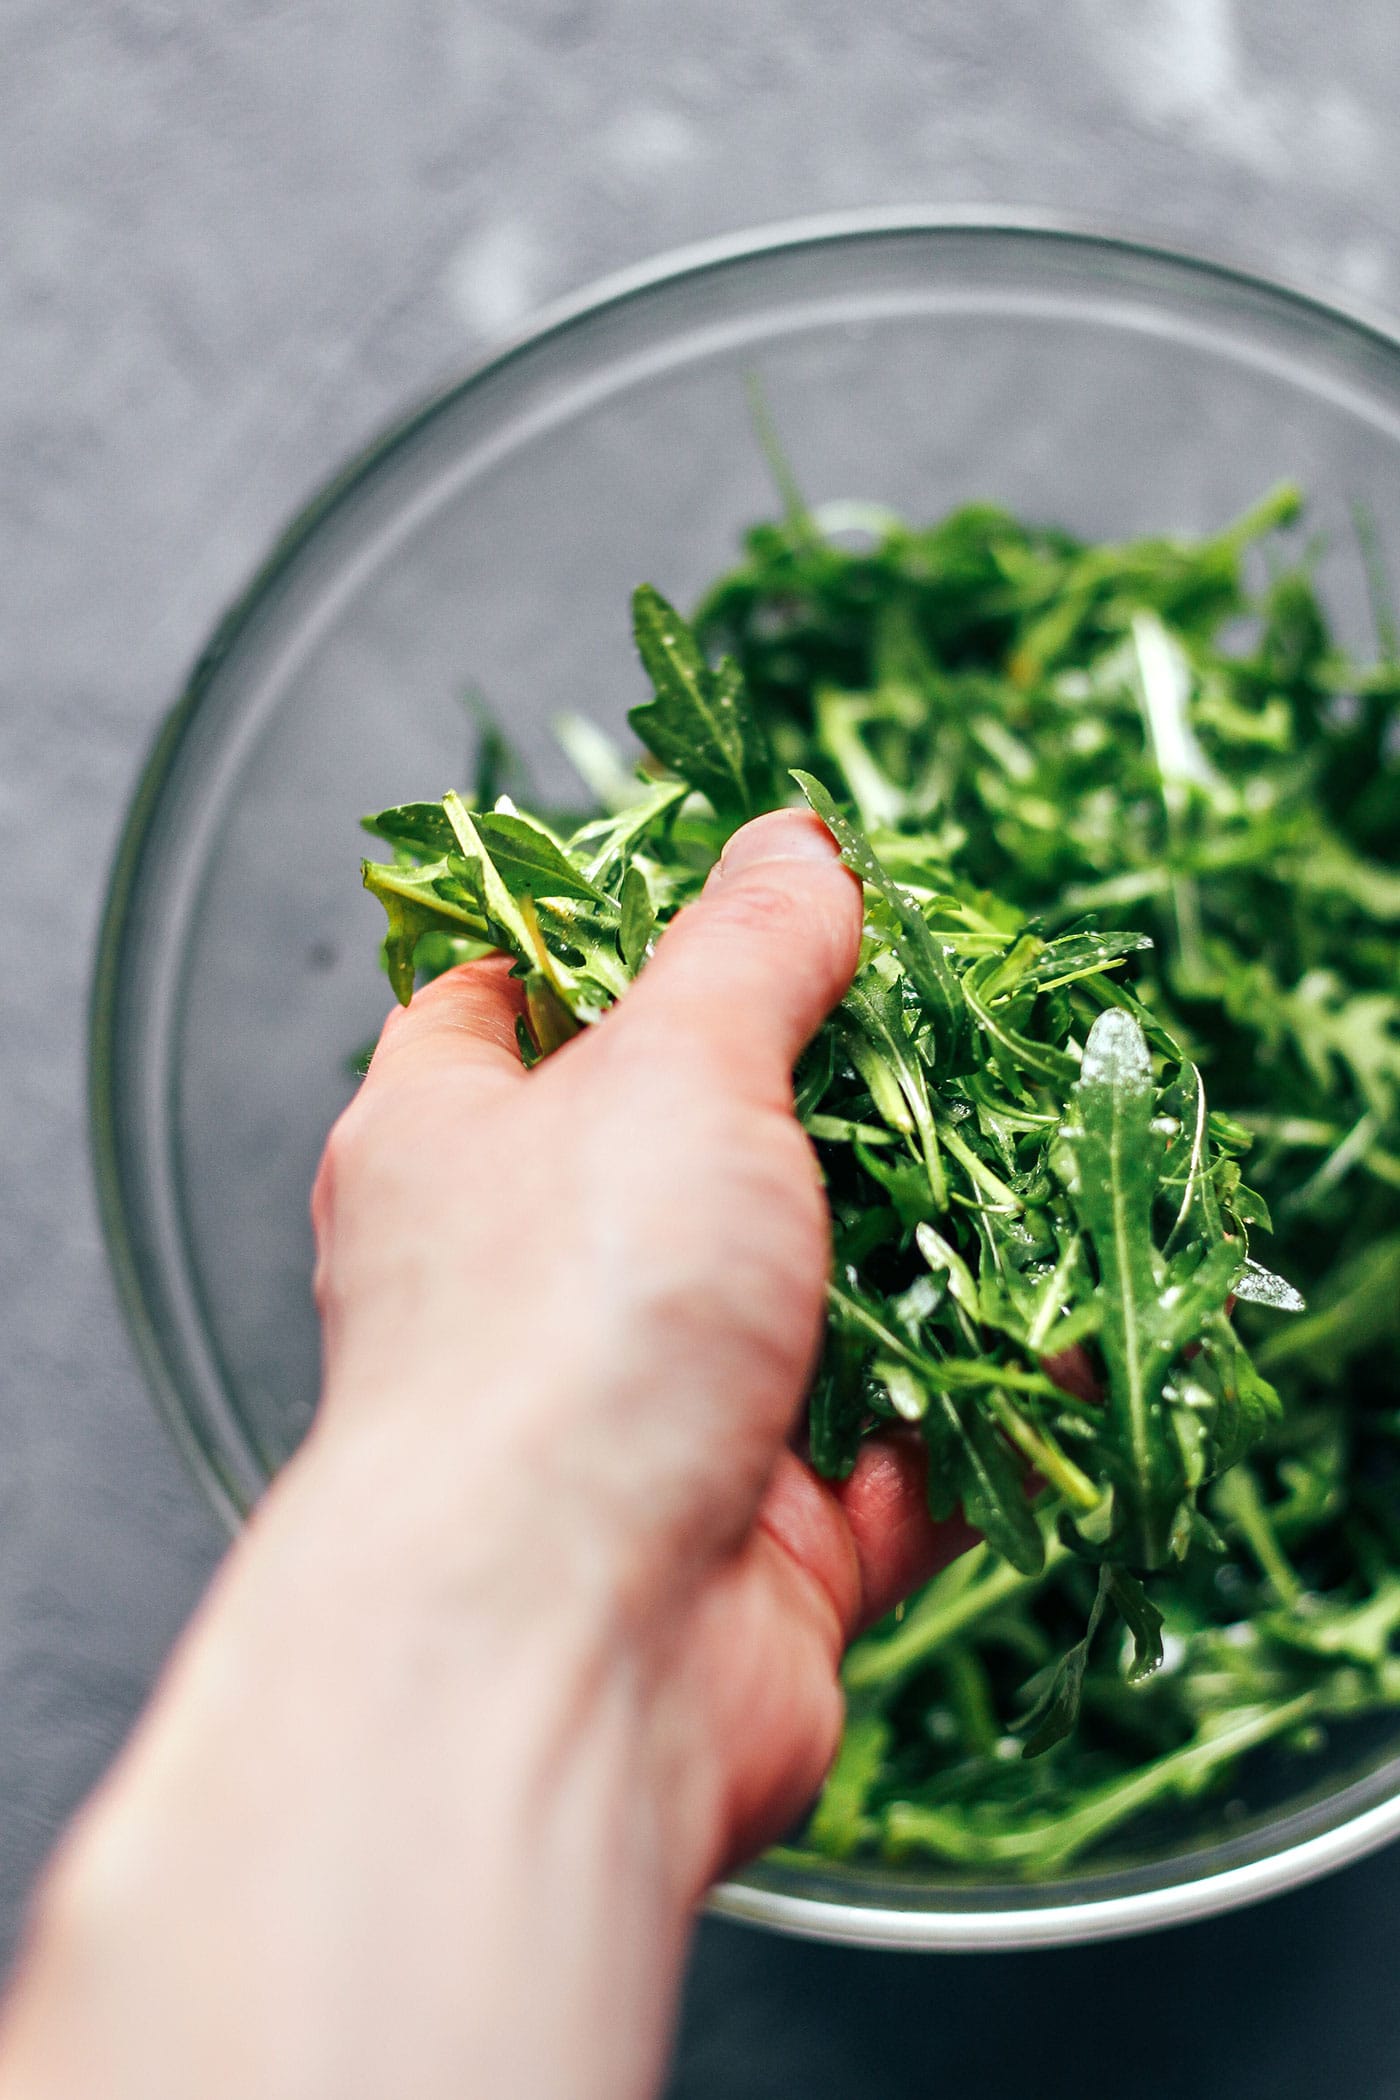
x=322 y=1293
x=759 y=905
x=341 y=1156
x=323 y=1196
x=461 y=992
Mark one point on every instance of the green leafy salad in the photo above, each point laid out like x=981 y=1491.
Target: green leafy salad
x=1109 y=1121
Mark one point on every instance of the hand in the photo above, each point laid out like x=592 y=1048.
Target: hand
x=606 y=1278
x=542 y=1626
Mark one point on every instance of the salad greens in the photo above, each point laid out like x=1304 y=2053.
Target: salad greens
x=1126 y=821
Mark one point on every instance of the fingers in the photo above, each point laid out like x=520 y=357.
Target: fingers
x=898 y=1545
x=463 y=1022
x=750 y=970
x=864 y=1542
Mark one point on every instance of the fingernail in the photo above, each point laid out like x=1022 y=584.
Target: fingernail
x=785 y=834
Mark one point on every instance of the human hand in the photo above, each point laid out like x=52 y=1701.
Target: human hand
x=600 y=1286
x=542 y=1626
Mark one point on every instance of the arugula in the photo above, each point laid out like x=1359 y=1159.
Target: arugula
x=1149 y=1310
x=1125 y=822
x=701 y=722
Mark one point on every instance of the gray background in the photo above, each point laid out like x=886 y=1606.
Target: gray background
x=237 y=238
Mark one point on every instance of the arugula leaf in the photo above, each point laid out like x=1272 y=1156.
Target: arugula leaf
x=994 y=1495
x=611 y=839
x=1142 y=1619
x=419 y=901
x=1032 y=1125
x=1114 y=1160
x=499 y=906
x=929 y=970
x=638 y=918
x=872 y=1019
x=1055 y=1712
x=420 y=828
x=700 y=723
x=529 y=861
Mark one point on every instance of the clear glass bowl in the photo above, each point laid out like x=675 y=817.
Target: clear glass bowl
x=491 y=541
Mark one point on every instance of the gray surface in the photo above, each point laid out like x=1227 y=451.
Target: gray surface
x=237 y=238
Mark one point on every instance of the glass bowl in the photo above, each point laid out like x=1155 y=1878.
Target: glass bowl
x=490 y=542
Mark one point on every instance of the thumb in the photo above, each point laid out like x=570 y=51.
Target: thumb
x=748 y=972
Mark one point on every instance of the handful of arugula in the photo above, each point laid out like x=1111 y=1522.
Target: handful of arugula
x=1040 y=1224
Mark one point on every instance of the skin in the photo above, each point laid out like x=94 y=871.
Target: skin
x=541 y=1629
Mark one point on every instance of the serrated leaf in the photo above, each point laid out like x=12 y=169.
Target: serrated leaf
x=514 y=921
x=1142 y=1619
x=872 y=1017
x=944 y=1260
x=836 y=1410
x=928 y=967
x=498 y=904
x=1016 y=1057
x=1248 y=1405
x=418 y=901
x=1054 y=1714
x=1116 y=1155
x=700 y=723
x=1075 y=956
x=993 y=1487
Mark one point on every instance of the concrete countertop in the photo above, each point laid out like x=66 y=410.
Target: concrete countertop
x=239 y=238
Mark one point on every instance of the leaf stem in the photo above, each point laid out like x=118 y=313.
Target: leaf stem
x=948 y=1607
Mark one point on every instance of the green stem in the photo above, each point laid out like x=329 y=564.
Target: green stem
x=1044 y=1454
x=1051 y=1842
x=952 y=1603
x=1237 y=1497
x=1053 y=1298
x=971 y=1698
x=977 y=1170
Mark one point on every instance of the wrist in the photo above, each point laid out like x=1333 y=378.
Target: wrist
x=520 y=1567
x=401 y=1761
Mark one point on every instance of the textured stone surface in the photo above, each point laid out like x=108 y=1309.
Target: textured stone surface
x=239 y=236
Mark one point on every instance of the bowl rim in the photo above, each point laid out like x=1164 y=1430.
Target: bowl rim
x=849 y=1923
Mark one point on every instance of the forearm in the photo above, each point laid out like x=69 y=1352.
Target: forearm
x=508 y=1665
x=394 y=1824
